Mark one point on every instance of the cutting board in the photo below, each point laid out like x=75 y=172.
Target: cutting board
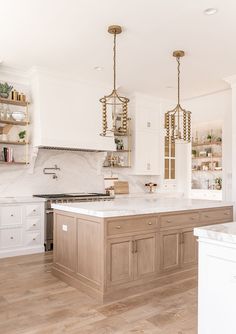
x=121 y=187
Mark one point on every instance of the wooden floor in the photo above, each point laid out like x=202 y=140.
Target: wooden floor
x=32 y=301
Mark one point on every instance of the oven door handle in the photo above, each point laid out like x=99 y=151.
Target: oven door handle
x=48 y=211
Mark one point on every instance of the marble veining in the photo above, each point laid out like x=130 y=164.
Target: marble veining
x=136 y=206
x=220 y=232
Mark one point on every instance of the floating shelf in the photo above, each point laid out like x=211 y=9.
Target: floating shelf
x=200 y=158
x=13 y=102
x=116 y=166
x=207 y=171
x=121 y=151
x=23 y=123
x=207 y=143
x=13 y=143
x=122 y=135
x=14 y=163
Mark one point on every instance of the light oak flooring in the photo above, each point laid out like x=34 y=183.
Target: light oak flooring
x=32 y=301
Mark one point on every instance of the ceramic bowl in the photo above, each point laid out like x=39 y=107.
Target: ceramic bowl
x=18 y=116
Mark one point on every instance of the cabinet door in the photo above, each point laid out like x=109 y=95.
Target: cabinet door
x=119 y=261
x=189 y=248
x=145 y=261
x=65 y=236
x=170 y=250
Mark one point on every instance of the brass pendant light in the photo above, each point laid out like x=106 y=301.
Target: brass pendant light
x=178 y=120
x=114 y=106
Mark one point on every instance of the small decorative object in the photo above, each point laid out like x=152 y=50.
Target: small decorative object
x=218 y=183
x=18 y=116
x=5 y=90
x=194 y=153
x=119 y=144
x=202 y=154
x=114 y=104
x=219 y=140
x=14 y=95
x=22 y=136
x=209 y=137
x=178 y=120
x=22 y=97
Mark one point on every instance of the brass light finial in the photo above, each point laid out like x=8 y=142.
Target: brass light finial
x=178 y=120
x=114 y=106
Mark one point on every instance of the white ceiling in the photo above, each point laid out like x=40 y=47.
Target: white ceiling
x=70 y=36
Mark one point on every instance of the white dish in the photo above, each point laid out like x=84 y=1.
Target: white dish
x=18 y=116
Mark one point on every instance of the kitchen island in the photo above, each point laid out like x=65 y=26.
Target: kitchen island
x=115 y=248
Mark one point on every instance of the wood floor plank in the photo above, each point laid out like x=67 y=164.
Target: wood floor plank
x=32 y=301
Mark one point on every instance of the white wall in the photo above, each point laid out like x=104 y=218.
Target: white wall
x=216 y=108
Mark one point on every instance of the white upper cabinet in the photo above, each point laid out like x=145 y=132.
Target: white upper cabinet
x=67 y=113
x=146 y=135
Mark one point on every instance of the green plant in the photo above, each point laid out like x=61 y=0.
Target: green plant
x=5 y=88
x=22 y=134
x=209 y=137
x=194 y=153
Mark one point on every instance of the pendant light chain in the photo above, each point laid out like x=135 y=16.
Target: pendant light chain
x=114 y=62
x=178 y=68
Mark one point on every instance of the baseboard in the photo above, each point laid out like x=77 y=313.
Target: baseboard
x=21 y=251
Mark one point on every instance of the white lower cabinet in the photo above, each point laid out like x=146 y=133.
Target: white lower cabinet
x=217 y=287
x=21 y=229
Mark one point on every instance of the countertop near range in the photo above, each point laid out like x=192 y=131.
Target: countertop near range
x=20 y=199
x=136 y=206
x=222 y=232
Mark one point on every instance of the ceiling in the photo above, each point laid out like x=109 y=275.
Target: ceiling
x=71 y=36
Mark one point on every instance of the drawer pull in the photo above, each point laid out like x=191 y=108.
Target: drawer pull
x=12 y=215
x=118 y=227
x=34 y=210
x=34 y=239
x=149 y=223
x=12 y=238
x=34 y=224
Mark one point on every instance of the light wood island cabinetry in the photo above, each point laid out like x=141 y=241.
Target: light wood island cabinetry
x=106 y=257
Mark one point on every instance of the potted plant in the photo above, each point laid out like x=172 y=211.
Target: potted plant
x=22 y=136
x=5 y=90
x=209 y=137
x=194 y=153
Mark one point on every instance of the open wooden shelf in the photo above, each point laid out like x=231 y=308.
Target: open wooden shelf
x=121 y=151
x=13 y=143
x=116 y=166
x=11 y=122
x=210 y=158
x=207 y=171
x=13 y=163
x=207 y=143
x=13 y=102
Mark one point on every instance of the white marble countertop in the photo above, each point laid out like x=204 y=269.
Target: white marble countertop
x=136 y=206
x=20 y=199
x=220 y=232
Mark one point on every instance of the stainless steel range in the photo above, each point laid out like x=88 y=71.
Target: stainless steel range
x=65 y=198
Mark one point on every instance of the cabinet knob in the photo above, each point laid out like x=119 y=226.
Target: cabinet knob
x=118 y=227
x=168 y=221
x=34 y=239
x=34 y=224
x=149 y=223
x=227 y=213
x=12 y=238
x=12 y=215
x=148 y=124
x=34 y=210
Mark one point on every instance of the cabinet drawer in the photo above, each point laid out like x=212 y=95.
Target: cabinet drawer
x=32 y=238
x=33 y=210
x=11 y=238
x=131 y=225
x=11 y=215
x=33 y=224
x=216 y=215
x=174 y=220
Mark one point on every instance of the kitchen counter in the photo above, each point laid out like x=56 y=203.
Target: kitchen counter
x=222 y=232
x=136 y=206
x=20 y=199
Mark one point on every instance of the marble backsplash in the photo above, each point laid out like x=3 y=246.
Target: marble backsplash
x=79 y=172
